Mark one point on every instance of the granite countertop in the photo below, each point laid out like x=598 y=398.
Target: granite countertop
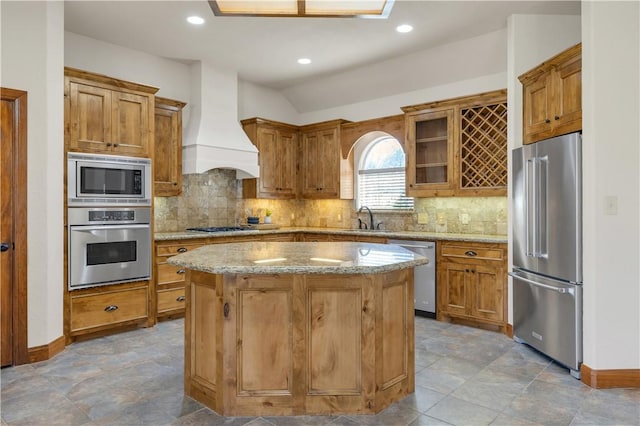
x=298 y=258
x=406 y=235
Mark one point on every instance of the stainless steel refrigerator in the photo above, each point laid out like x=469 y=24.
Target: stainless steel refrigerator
x=547 y=248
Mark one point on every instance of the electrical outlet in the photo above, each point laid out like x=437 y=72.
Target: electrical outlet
x=464 y=218
x=339 y=217
x=423 y=218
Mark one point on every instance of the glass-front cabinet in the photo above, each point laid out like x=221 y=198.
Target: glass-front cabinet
x=430 y=153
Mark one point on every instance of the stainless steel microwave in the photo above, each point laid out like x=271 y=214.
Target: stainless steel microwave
x=108 y=180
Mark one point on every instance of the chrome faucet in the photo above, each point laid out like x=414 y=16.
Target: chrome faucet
x=370 y=217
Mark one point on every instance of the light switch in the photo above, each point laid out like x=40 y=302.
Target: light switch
x=611 y=205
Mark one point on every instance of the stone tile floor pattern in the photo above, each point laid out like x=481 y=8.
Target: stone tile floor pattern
x=464 y=376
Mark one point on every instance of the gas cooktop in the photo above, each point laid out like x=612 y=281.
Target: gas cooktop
x=218 y=229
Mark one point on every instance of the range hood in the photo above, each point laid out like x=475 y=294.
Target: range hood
x=214 y=138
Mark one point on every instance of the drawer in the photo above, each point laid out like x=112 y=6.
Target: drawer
x=471 y=252
x=95 y=310
x=169 y=273
x=172 y=250
x=172 y=299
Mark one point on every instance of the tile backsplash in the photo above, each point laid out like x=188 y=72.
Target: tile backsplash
x=215 y=199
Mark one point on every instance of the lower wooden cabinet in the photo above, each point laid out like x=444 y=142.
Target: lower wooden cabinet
x=101 y=308
x=472 y=283
x=170 y=296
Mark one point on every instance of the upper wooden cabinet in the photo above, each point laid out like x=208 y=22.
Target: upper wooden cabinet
x=277 y=145
x=320 y=160
x=430 y=144
x=457 y=146
x=167 y=164
x=107 y=115
x=552 y=96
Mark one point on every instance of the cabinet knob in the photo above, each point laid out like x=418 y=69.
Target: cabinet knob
x=108 y=144
x=180 y=299
x=180 y=271
x=547 y=121
x=111 y=308
x=115 y=145
x=182 y=250
x=557 y=118
x=470 y=253
x=175 y=183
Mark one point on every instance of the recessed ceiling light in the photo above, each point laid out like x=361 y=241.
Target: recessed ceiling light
x=404 y=28
x=304 y=61
x=195 y=20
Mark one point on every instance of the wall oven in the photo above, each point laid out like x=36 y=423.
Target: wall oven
x=97 y=179
x=108 y=245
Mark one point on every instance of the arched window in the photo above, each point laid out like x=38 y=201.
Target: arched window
x=380 y=176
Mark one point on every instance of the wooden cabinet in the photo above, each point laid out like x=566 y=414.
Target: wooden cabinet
x=472 y=283
x=457 y=146
x=277 y=145
x=167 y=163
x=552 y=97
x=107 y=115
x=170 y=293
x=93 y=310
x=320 y=160
x=430 y=145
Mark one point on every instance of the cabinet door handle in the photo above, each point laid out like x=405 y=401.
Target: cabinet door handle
x=111 y=308
x=557 y=118
x=182 y=250
x=115 y=145
x=547 y=121
x=470 y=253
x=175 y=183
x=226 y=310
x=108 y=144
x=180 y=299
x=180 y=271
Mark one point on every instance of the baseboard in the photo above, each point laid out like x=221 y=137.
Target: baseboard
x=509 y=330
x=45 y=352
x=606 y=379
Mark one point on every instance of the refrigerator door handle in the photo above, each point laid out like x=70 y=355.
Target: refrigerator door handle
x=530 y=206
x=560 y=290
x=542 y=249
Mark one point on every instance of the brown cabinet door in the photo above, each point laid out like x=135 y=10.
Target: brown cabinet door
x=487 y=297
x=538 y=109
x=130 y=124
x=90 y=112
x=430 y=153
x=568 y=96
x=453 y=288
x=268 y=153
x=167 y=165
x=285 y=162
x=320 y=167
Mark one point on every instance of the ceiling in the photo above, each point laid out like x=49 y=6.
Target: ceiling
x=265 y=50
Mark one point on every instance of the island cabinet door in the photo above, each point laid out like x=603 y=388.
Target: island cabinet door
x=259 y=374
x=339 y=329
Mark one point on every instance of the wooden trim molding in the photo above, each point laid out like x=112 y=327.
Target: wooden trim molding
x=509 y=330
x=45 y=352
x=19 y=99
x=351 y=132
x=606 y=379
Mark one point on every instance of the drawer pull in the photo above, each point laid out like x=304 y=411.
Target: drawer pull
x=470 y=253
x=180 y=299
x=111 y=308
x=182 y=249
x=180 y=271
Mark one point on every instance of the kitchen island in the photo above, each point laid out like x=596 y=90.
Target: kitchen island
x=285 y=328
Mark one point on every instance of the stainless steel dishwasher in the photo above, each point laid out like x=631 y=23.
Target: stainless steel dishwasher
x=424 y=276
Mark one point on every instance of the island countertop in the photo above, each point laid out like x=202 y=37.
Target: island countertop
x=298 y=258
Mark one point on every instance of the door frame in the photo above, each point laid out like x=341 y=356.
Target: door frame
x=19 y=200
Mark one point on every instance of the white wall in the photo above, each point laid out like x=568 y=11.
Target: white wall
x=32 y=52
x=259 y=101
x=611 y=135
x=532 y=40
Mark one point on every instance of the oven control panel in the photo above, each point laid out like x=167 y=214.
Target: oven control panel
x=111 y=215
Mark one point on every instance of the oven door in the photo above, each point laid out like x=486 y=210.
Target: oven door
x=108 y=254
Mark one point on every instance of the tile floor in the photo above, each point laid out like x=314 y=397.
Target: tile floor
x=464 y=376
